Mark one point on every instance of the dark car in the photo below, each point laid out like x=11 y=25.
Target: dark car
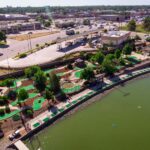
x=1 y=134
x=1 y=54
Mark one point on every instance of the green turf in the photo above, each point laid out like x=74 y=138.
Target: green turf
x=78 y=74
x=46 y=119
x=61 y=109
x=74 y=102
x=8 y=115
x=36 y=124
x=68 y=105
x=32 y=95
x=37 y=104
x=29 y=87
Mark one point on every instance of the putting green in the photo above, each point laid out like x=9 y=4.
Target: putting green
x=37 y=104
x=27 y=88
x=31 y=95
x=78 y=74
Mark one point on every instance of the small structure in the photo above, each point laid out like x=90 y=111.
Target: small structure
x=80 y=63
x=115 y=37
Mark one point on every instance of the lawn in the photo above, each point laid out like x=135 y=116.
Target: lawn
x=23 y=37
x=139 y=28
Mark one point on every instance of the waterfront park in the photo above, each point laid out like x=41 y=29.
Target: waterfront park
x=40 y=96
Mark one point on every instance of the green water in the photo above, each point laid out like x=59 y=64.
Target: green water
x=120 y=121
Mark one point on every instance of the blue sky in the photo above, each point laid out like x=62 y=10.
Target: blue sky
x=71 y=2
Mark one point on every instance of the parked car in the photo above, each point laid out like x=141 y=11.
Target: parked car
x=70 y=32
x=14 y=135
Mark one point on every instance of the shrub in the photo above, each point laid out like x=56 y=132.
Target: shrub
x=2 y=112
x=23 y=55
x=3 y=100
x=16 y=117
x=23 y=94
x=7 y=109
x=12 y=95
x=69 y=66
x=29 y=113
x=53 y=42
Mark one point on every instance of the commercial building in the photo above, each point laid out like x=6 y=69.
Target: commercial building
x=115 y=37
x=115 y=17
x=17 y=27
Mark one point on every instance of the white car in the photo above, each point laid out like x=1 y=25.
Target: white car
x=14 y=135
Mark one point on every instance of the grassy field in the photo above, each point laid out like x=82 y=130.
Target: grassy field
x=139 y=28
x=23 y=37
x=2 y=43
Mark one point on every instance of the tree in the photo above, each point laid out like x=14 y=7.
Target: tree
x=54 y=82
x=49 y=96
x=3 y=100
x=7 y=109
x=2 y=36
x=131 y=25
x=12 y=95
x=29 y=113
x=22 y=94
x=87 y=74
x=40 y=80
x=47 y=23
x=117 y=53
x=86 y=22
x=127 y=49
x=110 y=57
x=98 y=57
x=2 y=112
x=146 y=23
x=29 y=72
x=7 y=82
x=108 y=66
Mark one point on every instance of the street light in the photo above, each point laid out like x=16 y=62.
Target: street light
x=29 y=37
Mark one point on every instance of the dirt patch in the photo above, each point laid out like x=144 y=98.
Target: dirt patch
x=27 y=82
x=23 y=37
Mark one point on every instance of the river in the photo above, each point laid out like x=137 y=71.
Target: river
x=120 y=121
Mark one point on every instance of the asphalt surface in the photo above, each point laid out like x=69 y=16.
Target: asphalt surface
x=14 y=47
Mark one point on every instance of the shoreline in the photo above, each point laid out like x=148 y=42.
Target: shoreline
x=97 y=98
x=91 y=100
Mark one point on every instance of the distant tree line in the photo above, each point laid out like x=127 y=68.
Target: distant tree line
x=66 y=9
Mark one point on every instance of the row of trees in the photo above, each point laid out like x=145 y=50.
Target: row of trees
x=107 y=64
x=43 y=21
